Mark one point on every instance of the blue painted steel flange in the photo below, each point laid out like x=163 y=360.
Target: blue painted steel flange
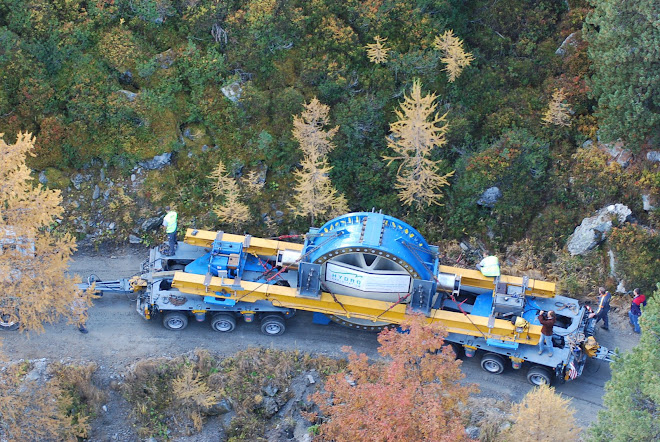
x=373 y=233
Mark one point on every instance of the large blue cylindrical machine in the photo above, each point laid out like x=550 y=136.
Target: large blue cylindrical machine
x=372 y=256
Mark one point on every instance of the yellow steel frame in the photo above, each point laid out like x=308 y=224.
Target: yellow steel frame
x=350 y=306
x=474 y=278
x=260 y=246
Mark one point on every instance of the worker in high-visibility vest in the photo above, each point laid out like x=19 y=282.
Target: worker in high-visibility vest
x=489 y=266
x=170 y=224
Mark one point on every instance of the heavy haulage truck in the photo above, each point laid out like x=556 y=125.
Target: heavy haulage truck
x=365 y=270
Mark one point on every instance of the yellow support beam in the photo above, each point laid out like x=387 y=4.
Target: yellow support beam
x=260 y=246
x=350 y=306
x=474 y=278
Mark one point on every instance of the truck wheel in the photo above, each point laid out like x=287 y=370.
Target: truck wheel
x=175 y=321
x=538 y=375
x=492 y=363
x=272 y=325
x=223 y=322
x=7 y=324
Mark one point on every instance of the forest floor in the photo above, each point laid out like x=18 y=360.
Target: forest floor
x=119 y=337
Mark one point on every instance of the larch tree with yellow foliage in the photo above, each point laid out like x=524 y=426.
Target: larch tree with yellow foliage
x=558 y=112
x=33 y=256
x=232 y=211
x=377 y=52
x=543 y=415
x=455 y=58
x=314 y=194
x=418 y=130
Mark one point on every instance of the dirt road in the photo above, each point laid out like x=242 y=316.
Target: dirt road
x=118 y=336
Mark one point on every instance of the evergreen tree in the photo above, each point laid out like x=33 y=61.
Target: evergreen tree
x=624 y=38
x=632 y=396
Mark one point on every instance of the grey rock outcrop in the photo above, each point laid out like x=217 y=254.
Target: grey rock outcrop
x=42 y=178
x=591 y=231
x=77 y=180
x=233 y=91
x=130 y=96
x=618 y=152
x=157 y=162
x=152 y=223
x=647 y=202
x=571 y=40
x=490 y=197
x=653 y=155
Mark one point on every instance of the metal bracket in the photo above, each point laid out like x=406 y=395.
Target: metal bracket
x=421 y=296
x=309 y=280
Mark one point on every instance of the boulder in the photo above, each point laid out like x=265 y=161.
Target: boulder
x=618 y=153
x=97 y=192
x=42 y=178
x=472 y=432
x=222 y=407
x=648 y=203
x=152 y=223
x=77 y=180
x=130 y=96
x=166 y=59
x=653 y=155
x=233 y=91
x=591 y=231
x=490 y=197
x=157 y=162
x=134 y=239
x=571 y=40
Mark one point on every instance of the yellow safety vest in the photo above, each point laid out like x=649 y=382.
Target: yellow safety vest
x=170 y=220
x=490 y=266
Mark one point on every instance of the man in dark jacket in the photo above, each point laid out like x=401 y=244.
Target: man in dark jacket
x=547 y=321
x=603 y=308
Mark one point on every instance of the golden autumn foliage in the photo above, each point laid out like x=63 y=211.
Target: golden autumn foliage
x=543 y=415
x=455 y=58
x=314 y=194
x=232 y=211
x=414 y=395
x=558 y=112
x=377 y=52
x=415 y=134
x=33 y=257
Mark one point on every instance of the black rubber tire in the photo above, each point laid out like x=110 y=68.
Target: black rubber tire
x=175 y=321
x=223 y=322
x=272 y=325
x=6 y=325
x=538 y=375
x=492 y=363
x=176 y=267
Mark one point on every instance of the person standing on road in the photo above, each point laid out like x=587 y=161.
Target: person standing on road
x=79 y=308
x=547 y=321
x=603 y=308
x=170 y=224
x=635 y=312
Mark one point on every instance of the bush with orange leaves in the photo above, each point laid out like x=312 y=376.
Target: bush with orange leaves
x=414 y=394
